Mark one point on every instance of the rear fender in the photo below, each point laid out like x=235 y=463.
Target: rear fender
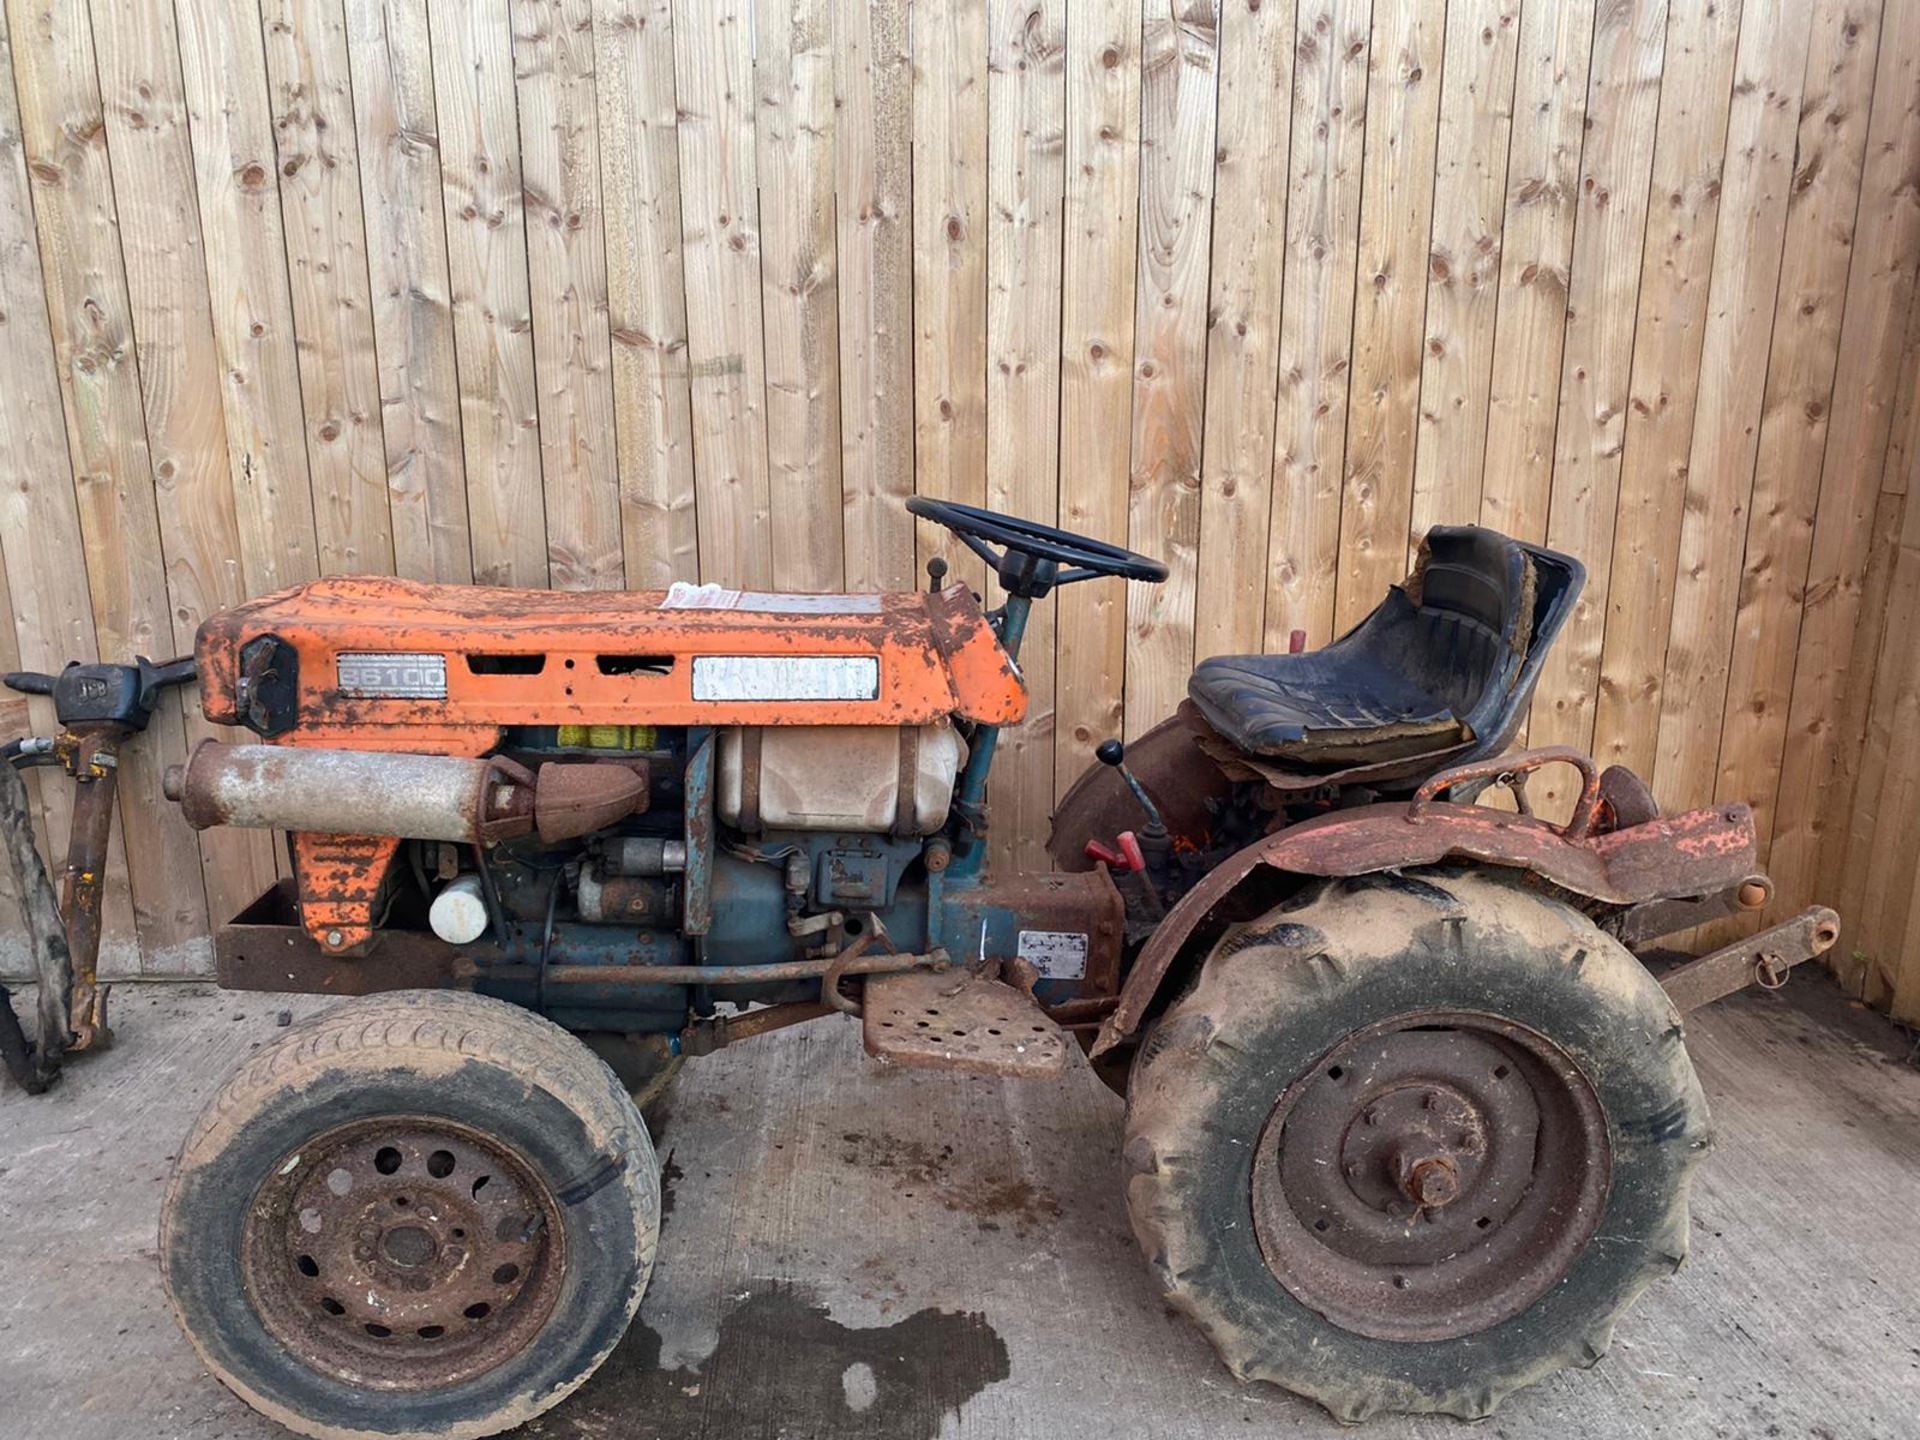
x=1698 y=852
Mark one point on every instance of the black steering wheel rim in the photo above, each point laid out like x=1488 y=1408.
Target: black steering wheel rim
x=1081 y=556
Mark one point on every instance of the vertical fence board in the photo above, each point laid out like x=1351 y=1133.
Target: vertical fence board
x=719 y=207
x=1390 y=302
x=873 y=181
x=1683 y=212
x=138 y=58
x=1463 y=265
x=1178 y=68
x=1316 y=316
x=1102 y=150
x=1823 y=734
x=311 y=93
x=110 y=509
x=398 y=133
x=1026 y=109
x=1834 y=107
x=1597 y=365
x=646 y=289
x=1543 y=174
x=794 y=129
x=950 y=268
x=1746 y=267
x=283 y=539
x=554 y=93
x=487 y=280
x=1243 y=324
x=51 y=616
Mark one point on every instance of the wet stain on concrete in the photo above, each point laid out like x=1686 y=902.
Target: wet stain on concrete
x=670 y=1176
x=918 y=1169
x=784 y=1369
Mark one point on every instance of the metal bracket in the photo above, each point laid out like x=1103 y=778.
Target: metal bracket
x=1762 y=959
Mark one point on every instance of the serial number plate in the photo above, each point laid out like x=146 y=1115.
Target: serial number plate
x=400 y=677
x=1056 y=954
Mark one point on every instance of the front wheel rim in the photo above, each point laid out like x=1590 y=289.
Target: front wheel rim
x=403 y=1253
x=1431 y=1176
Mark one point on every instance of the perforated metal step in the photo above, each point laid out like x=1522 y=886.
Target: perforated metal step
x=961 y=1022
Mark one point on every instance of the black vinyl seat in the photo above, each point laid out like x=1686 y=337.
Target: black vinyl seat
x=1443 y=667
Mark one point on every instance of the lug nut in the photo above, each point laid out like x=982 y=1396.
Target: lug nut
x=1433 y=1182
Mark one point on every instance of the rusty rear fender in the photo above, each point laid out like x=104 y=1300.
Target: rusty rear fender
x=1698 y=852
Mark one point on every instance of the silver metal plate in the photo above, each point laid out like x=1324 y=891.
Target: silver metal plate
x=393 y=675
x=1055 y=954
x=786 y=677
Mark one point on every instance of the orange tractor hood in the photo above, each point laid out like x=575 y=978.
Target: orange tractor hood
x=377 y=654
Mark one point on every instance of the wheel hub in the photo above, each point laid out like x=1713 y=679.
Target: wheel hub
x=1431 y=1176
x=403 y=1253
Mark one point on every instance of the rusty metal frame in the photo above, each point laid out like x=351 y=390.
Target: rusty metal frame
x=1763 y=960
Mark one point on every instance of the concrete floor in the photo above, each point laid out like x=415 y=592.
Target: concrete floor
x=860 y=1252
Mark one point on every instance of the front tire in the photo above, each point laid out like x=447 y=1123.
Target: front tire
x=420 y=1214
x=1413 y=1142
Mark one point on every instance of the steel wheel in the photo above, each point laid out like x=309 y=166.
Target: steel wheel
x=403 y=1254
x=1432 y=1176
x=1412 y=1141
x=417 y=1216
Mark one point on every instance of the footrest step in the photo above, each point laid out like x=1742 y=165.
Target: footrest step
x=961 y=1022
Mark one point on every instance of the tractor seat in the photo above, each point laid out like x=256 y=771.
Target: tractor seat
x=1444 y=666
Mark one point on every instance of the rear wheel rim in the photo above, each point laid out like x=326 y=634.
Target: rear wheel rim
x=1431 y=1176
x=403 y=1253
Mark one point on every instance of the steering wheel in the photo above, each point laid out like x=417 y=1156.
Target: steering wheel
x=1034 y=558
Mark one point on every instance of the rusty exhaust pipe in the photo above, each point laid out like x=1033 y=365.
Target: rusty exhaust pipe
x=414 y=797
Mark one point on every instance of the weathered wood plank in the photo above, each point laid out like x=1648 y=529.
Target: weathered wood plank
x=50 y=616
x=1755 y=184
x=311 y=94
x=487 y=278
x=1881 y=834
x=1390 y=302
x=1469 y=212
x=1179 y=47
x=1026 y=104
x=950 y=269
x=1243 y=325
x=646 y=289
x=283 y=539
x=1101 y=208
x=138 y=60
x=1316 y=323
x=1596 y=368
x=794 y=130
x=1834 y=106
x=554 y=91
x=1543 y=176
x=1823 y=734
x=397 y=129
x=873 y=181
x=719 y=207
x=1696 y=90
x=103 y=532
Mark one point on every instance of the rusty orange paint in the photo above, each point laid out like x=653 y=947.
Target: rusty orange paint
x=340 y=879
x=937 y=656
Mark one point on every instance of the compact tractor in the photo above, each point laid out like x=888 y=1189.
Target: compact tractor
x=1407 y=1123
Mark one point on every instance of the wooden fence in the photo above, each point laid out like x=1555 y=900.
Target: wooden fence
x=595 y=293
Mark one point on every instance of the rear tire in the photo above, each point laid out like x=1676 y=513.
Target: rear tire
x=419 y=1214
x=1369 y=1149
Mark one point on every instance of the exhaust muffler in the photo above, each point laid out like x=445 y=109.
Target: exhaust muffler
x=414 y=797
